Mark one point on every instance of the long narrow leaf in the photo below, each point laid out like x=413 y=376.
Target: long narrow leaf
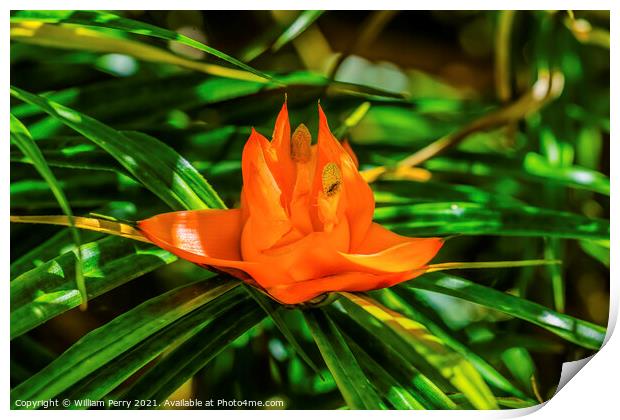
x=112 y=21
x=186 y=360
x=49 y=289
x=569 y=328
x=21 y=137
x=156 y=165
x=109 y=341
x=488 y=372
x=478 y=219
x=109 y=376
x=299 y=25
x=79 y=38
x=357 y=391
x=61 y=241
x=273 y=310
x=450 y=364
x=394 y=355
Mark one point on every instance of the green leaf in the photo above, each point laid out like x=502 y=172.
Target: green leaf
x=395 y=355
x=157 y=166
x=453 y=366
x=61 y=241
x=272 y=309
x=79 y=38
x=506 y=402
x=477 y=219
x=596 y=250
x=72 y=153
x=576 y=331
x=49 y=289
x=296 y=28
x=109 y=376
x=21 y=137
x=357 y=391
x=112 y=21
x=188 y=358
x=409 y=192
x=109 y=341
x=488 y=372
x=386 y=384
x=533 y=167
x=521 y=365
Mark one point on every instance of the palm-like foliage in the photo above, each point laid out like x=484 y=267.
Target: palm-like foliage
x=135 y=143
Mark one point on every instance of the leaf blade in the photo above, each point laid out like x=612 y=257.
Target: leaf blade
x=572 y=329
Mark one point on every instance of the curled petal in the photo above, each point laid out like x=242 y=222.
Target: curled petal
x=379 y=238
x=201 y=233
x=313 y=255
x=360 y=202
x=263 y=201
x=351 y=282
x=406 y=256
x=347 y=147
x=281 y=164
x=209 y=238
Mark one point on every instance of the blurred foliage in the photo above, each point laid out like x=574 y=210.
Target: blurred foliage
x=489 y=126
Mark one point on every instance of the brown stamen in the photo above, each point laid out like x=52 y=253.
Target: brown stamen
x=300 y=144
x=332 y=179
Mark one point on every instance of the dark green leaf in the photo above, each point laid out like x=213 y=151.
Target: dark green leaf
x=357 y=391
x=156 y=165
x=477 y=219
x=299 y=25
x=109 y=376
x=572 y=329
x=109 y=341
x=49 y=289
x=273 y=310
x=192 y=355
x=112 y=21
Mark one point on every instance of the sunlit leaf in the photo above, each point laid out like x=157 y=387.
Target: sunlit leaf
x=49 y=289
x=300 y=24
x=112 y=21
x=105 y=343
x=169 y=175
x=476 y=219
x=451 y=365
x=192 y=355
x=357 y=391
x=569 y=328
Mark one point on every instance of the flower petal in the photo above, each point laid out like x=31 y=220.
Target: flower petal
x=379 y=238
x=267 y=219
x=281 y=164
x=351 y=282
x=207 y=233
x=406 y=256
x=314 y=255
x=360 y=202
x=347 y=147
x=209 y=238
x=385 y=251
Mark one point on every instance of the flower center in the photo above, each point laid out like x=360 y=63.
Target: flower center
x=300 y=145
x=332 y=179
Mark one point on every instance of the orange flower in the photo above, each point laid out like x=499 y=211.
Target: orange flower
x=305 y=223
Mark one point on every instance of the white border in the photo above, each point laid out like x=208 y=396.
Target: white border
x=594 y=391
